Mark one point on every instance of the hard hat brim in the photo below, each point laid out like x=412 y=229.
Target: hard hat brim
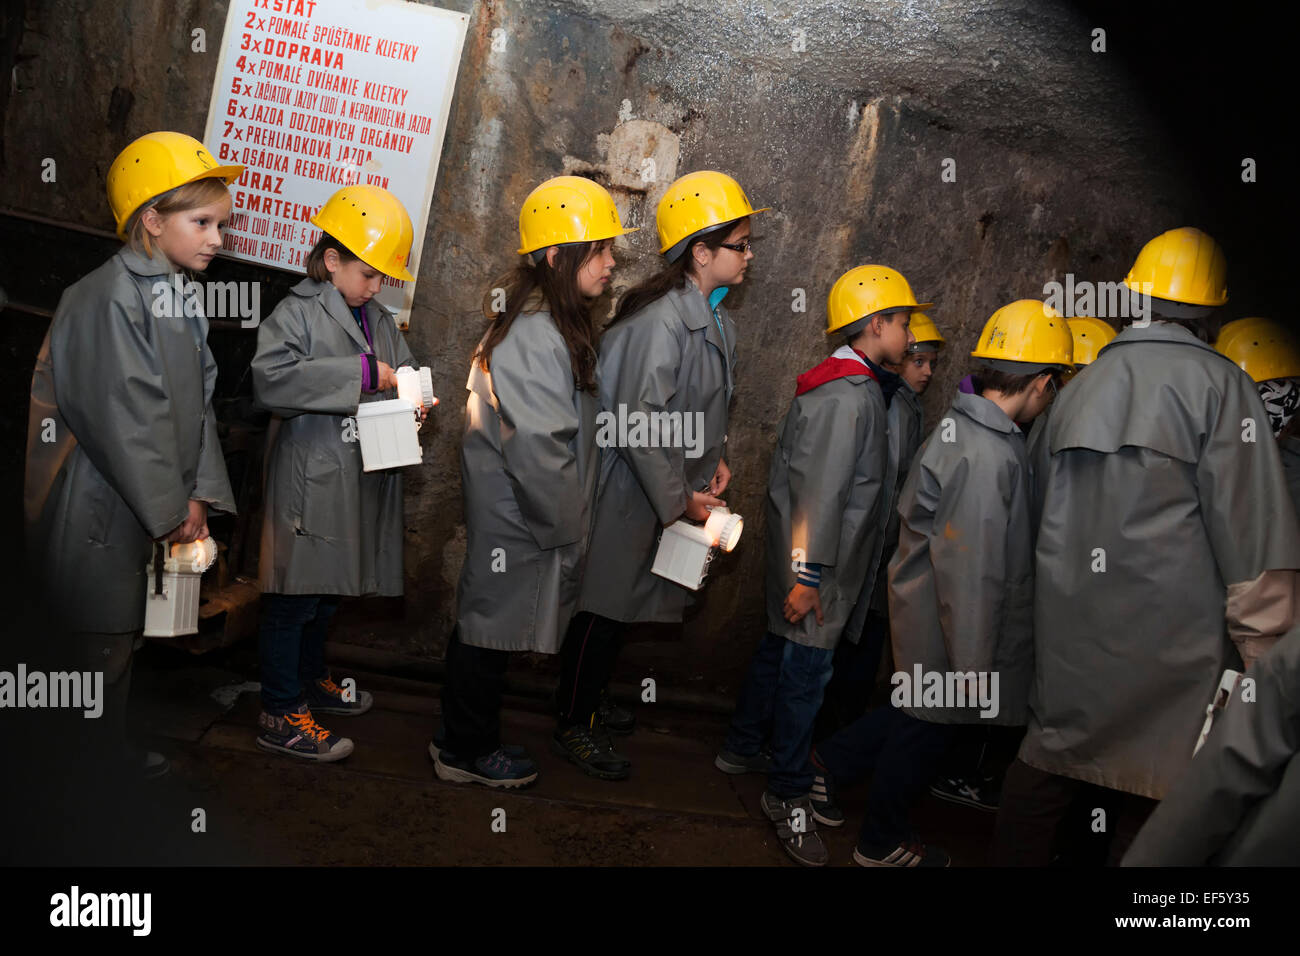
x=612 y=234
x=227 y=173
x=674 y=251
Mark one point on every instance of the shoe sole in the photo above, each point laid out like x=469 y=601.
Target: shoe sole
x=801 y=861
x=827 y=821
x=330 y=757
x=561 y=751
x=962 y=802
x=456 y=775
x=727 y=766
x=861 y=860
x=341 y=711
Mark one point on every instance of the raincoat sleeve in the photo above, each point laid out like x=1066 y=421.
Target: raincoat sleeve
x=646 y=383
x=969 y=558
x=288 y=380
x=1250 y=522
x=211 y=483
x=1243 y=762
x=532 y=376
x=111 y=391
x=822 y=469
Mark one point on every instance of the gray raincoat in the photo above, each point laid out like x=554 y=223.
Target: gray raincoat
x=1157 y=518
x=961 y=583
x=328 y=527
x=1290 y=449
x=669 y=357
x=123 y=391
x=528 y=469
x=829 y=486
x=906 y=429
x=1239 y=802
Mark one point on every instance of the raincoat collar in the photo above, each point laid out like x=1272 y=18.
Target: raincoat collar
x=986 y=413
x=332 y=299
x=142 y=265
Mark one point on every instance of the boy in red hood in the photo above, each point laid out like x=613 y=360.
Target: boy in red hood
x=831 y=480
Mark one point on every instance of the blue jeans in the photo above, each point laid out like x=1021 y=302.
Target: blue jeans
x=292 y=646
x=778 y=704
x=901 y=753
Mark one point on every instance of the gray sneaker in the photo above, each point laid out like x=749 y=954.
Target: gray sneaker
x=795 y=828
x=298 y=735
x=729 y=762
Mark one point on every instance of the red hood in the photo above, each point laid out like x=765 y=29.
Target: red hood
x=829 y=369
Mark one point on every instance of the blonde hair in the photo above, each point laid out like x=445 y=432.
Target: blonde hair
x=201 y=192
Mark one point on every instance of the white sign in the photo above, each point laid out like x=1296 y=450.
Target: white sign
x=312 y=96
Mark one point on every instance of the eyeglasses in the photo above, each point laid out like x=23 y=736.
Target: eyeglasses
x=742 y=247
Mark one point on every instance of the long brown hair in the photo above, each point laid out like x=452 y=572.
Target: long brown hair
x=558 y=288
x=671 y=276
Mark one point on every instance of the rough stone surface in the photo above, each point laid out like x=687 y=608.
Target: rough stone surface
x=1064 y=161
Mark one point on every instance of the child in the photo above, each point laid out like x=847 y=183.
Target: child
x=528 y=469
x=1269 y=353
x=1167 y=537
x=330 y=529
x=671 y=349
x=856 y=665
x=122 y=440
x=831 y=479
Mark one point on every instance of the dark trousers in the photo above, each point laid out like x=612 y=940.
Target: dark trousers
x=291 y=644
x=853 y=677
x=901 y=753
x=778 y=704
x=1045 y=816
x=591 y=648
x=471 y=699
x=982 y=753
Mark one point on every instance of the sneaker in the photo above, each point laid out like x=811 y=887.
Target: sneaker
x=590 y=749
x=519 y=753
x=969 y=793
x=326 y=697
x=729 y=762
x=498 y=770
x=908 y=853
x=824 y=808
x=796 y=828
x=298 y=735
x=618 y=719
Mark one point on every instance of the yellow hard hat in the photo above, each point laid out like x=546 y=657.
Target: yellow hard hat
x=865 y=290
x=373 y=225
x=924 y=331
x=696 y=203
x=1090 y=337
x=1264 y=349
x=1027 y=332
x=568 y=209
x=157 y=163
x=1182 y=265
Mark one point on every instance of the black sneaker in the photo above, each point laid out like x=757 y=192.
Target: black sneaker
x=908 y=853
x=497 y=769
x=591 y=751
x=824 y=808
x=795 y=828
x=618 y=719
x=516 y=751
x=326 y=697
x=729 y=762
x=982 y=795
